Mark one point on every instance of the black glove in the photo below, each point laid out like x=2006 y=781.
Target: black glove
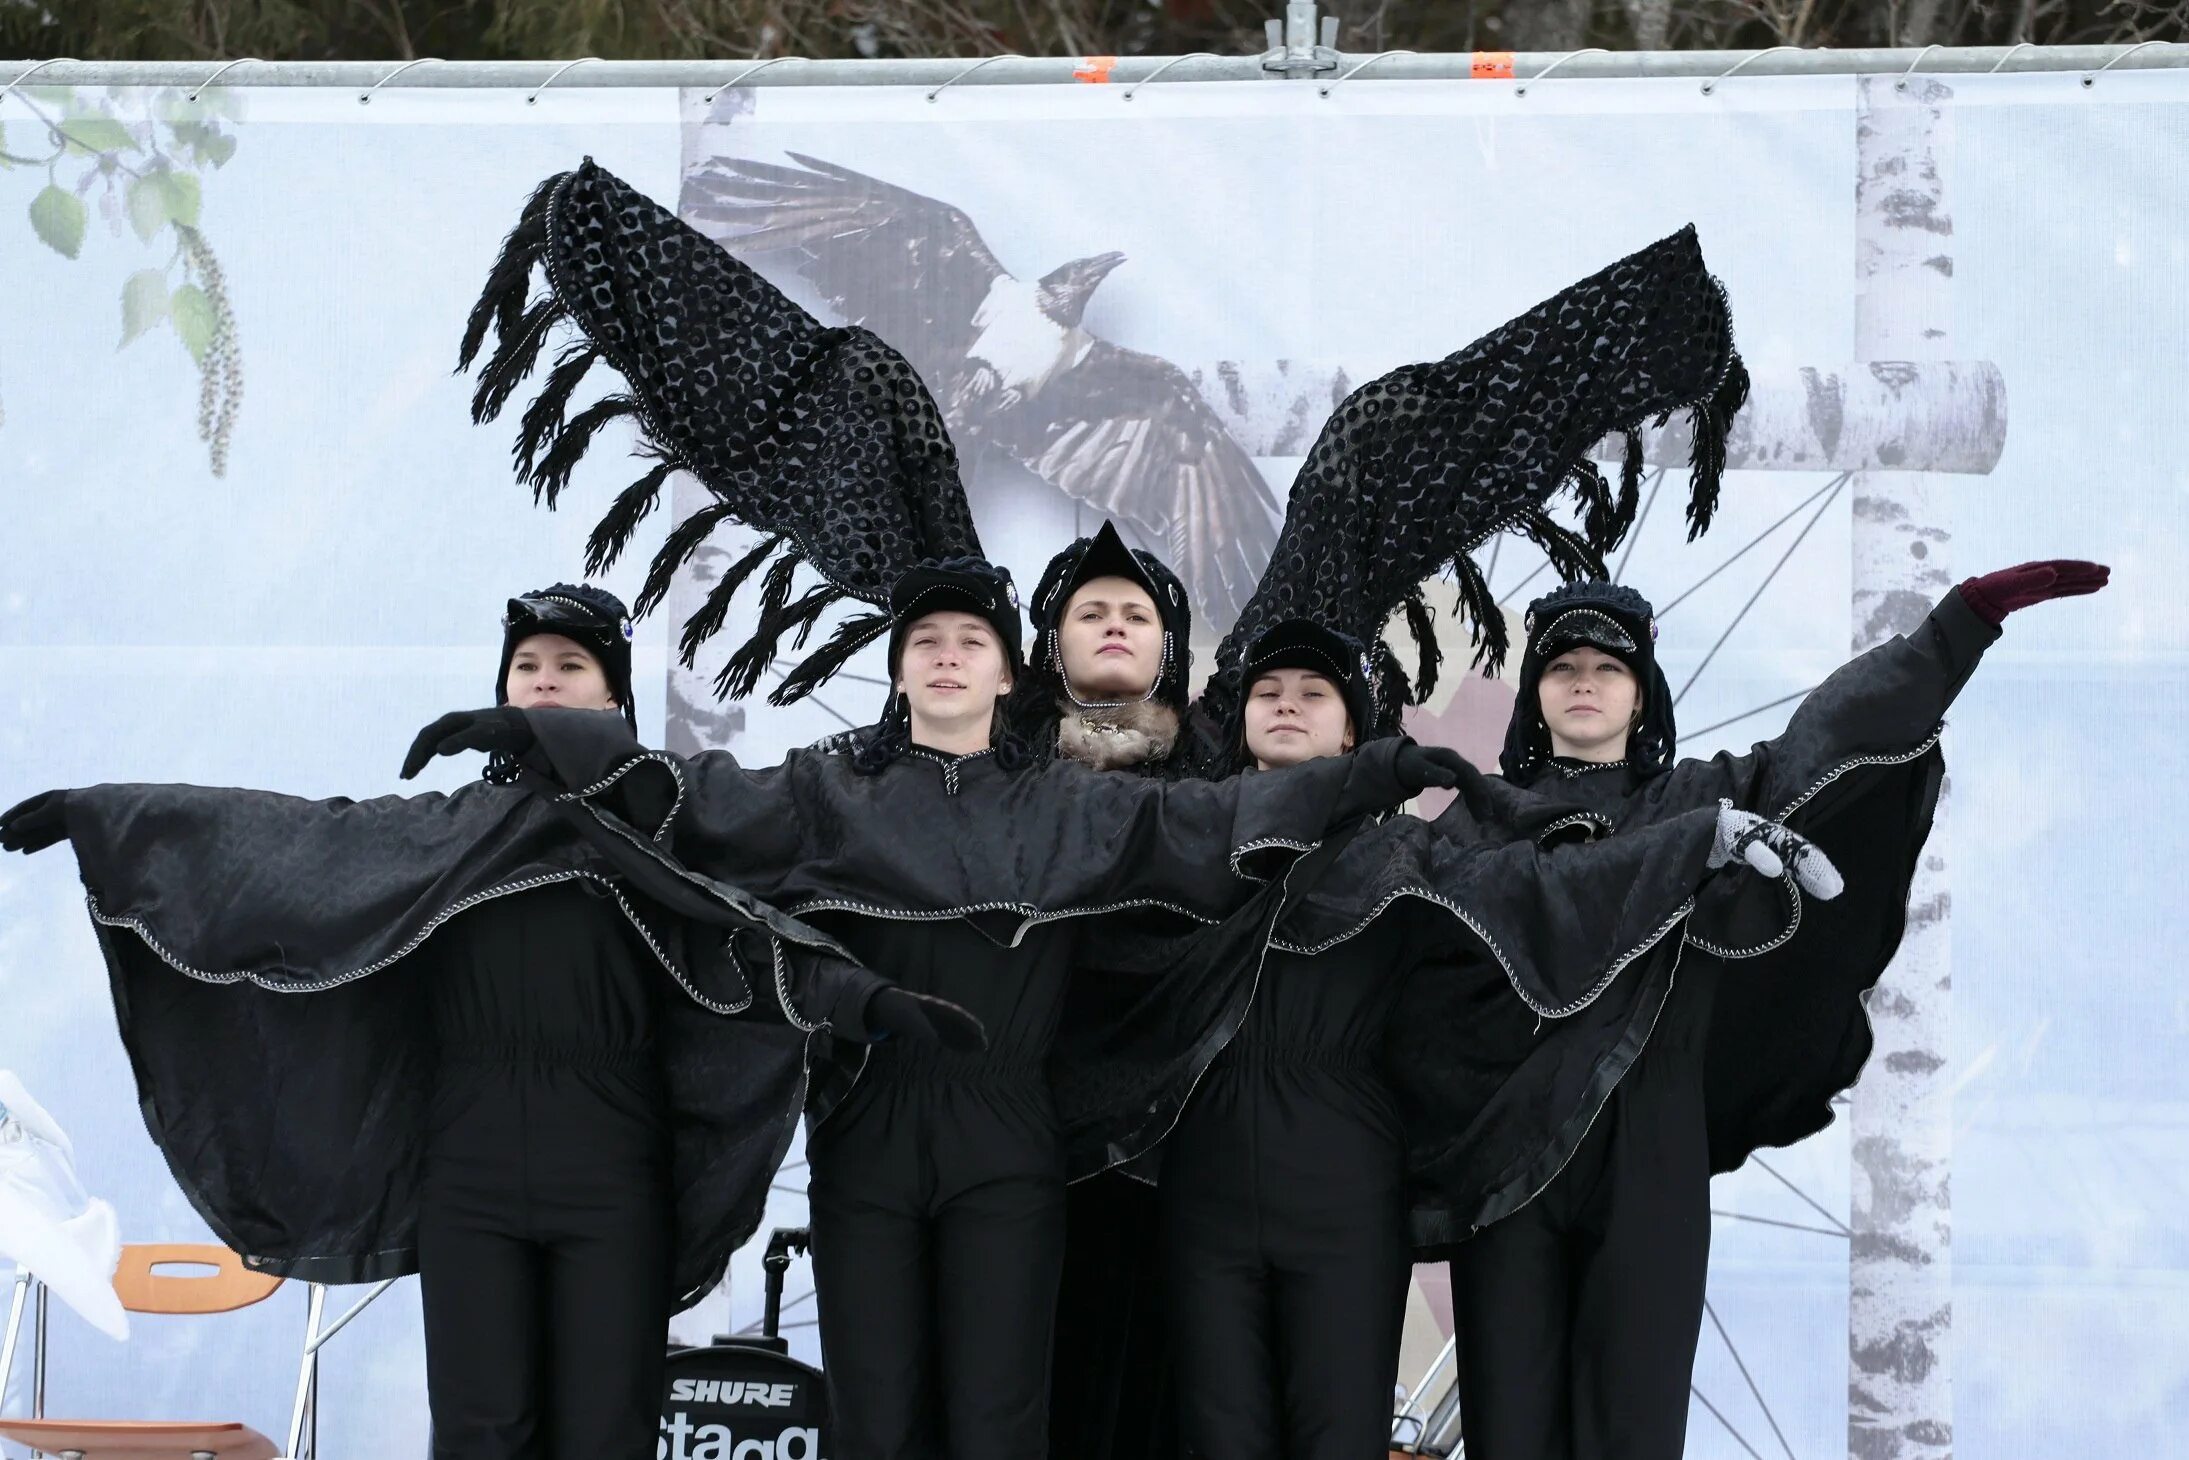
x=502 y=729
x=924 y=1020
x=1382 y=777
x=33 y=825
x=1418 y=767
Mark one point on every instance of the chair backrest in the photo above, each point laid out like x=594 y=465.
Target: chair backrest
x=228 y=1287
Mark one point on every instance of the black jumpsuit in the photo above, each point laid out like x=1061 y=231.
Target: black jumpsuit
x=544 y=1241
x=1578 y=1315
x=1283 y=1217
x=937 y=1191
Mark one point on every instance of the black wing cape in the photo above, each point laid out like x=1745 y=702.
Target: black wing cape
x=1857 y=770
x=1006 y=850
x=269 y=959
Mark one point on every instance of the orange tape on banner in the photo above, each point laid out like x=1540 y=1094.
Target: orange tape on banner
x=1493 y=66
x=1095 y=70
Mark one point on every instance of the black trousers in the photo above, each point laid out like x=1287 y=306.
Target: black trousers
x=544 y=1265
x=1286 y=1288
x=937 y=1197
x=1578 y=1315
x=1112 y=1392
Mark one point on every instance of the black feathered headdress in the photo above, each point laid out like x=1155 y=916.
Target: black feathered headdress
x=1419 y=468
x=824 y=440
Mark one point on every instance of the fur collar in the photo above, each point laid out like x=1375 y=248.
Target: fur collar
x=1118 y=736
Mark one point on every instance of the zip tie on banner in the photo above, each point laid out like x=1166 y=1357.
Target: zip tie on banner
x=1143 y=81
x=1920 y=57
x=209 y=82
x=2092 y=78
x=31 y=70
x=1711 y=86
x=1363 y=66
x=1521 y=88
x=2011 y=50
x=364 y=98
x=983 y=61
x=534 y=98
x=753 y=70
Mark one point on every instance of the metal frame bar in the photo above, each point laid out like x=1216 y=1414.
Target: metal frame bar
x=303 y=1436
x=40 y=1306
x=22 y=1283
x=528 y=76
x=1415 y=1412
x=304 y=1414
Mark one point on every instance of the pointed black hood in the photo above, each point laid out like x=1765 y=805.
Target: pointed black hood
x=1105 y=555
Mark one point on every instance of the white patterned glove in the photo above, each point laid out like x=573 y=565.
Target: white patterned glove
x=1771 y=849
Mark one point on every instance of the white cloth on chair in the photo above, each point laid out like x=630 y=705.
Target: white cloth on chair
x=67 y=1238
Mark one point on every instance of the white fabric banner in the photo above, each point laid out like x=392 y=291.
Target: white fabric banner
x=260 y=543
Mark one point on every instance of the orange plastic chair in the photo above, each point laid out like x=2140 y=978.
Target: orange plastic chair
x=143 y=1289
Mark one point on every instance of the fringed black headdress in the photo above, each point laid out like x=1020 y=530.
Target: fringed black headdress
x=1610 y=617
x=1105 y=555
x=1421 y=467
x=823 y=439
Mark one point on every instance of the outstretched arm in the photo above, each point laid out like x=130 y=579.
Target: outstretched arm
x=1193 y=844
x=1882 y=708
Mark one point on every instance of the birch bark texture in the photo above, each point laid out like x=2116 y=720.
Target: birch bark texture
x=1900 y=1267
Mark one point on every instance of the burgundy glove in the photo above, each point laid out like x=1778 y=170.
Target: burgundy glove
x=1995 y=595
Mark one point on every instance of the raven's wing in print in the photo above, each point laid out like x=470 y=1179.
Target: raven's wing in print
x=1123 y=431
x=1129 y=435
x=909 y=267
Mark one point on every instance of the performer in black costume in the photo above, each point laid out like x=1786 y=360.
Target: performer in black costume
x=506 y=1106
x=1286 y=1237
x=1604 y=1115
x=1107 y=686
x=938 y=1182
x=836 y=453
x=937 y=1186
x=1412 y=472
x=1283 y=1243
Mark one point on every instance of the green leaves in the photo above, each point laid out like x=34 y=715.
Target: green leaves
x=160 y=198
x=57 y=217
x=147 y=207
x=144 y=302
x=143 y=162
x=194 y=319
x=96 y=134
x=207 y=143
